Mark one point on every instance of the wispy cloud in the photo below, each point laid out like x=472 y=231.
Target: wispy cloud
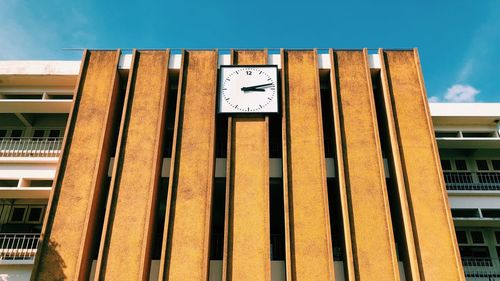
x=475 y=62
x=481 y=46
x=458 y=93
x=33 y=31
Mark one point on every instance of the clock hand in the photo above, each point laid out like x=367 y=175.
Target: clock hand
x=256 y=86
x=245 y=89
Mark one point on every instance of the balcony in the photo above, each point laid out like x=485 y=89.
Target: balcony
x=30 y=147
x=474 y=181
x=16 y=247
x=481 y=269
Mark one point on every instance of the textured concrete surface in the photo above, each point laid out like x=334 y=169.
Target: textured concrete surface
x=371 y=229
x=408 y=254
x=248 y=239
x=130 y=212
x=348 y=259
x=310 y=247
x=189 y=206
x=433 y=228
x=70 y=225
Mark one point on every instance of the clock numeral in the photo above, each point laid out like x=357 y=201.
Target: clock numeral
x=249 y=72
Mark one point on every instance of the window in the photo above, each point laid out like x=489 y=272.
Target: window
x=461 y=165
x=461 y=237
x=495 y=164
x=472 y=246
x=26 y=214
x=16 y=134
x=54 y=133
x=17 y=214
x=35 y=214
x=482 y=165
x=38 y=134
x=446 y=134
x=446 y=164
x=491 y=213
x=477 y=237
x=465 y=213
x=478 y=134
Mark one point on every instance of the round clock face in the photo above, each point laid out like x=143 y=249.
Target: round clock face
x=248 y=89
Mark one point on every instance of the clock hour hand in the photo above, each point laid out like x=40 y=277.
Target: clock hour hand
x=250 y=89
x=256 y=87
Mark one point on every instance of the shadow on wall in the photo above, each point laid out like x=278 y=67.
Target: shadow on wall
x=56 y=272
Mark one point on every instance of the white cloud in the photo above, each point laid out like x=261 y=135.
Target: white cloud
x=41 y=32
x=433 y=99
x=460 y=93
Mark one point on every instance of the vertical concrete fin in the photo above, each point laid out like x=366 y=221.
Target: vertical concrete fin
x=339 y=152
x=433 y=228
x=248 y=213
x=129 y=220
x=185 y=254
x=70 y=228
x=412 y=271
x=370 y=219
x=309 y=247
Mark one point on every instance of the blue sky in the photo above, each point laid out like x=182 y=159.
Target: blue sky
x=458 y=41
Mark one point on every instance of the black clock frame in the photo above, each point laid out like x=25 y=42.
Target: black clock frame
x=242 y=113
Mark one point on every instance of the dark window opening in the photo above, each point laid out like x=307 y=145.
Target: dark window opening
x=54 y=133
x=461 y=165
x=173 y=84
x=9 y=183
x=446 y=165
x=275 y=139
x=474 y=252
x=218 y=215
x=477 y=237
x=277 y=219
x=336 y=223
x=465 y=213
x=327 y=114
x=444 y=134
x=461 y=236
x=18 y=214
x=496 y=164
x=482 y=165
x=37 y=134
x=16 y=134
x=159 y=224
x=478 y=134
x=491 y=213
x=221 y=126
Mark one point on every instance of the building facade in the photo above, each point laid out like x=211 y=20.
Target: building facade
x=119 y=167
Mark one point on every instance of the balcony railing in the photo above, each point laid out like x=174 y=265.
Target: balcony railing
x=479 y=269
x=18 y=246
x=472 y=180
x=30 y=147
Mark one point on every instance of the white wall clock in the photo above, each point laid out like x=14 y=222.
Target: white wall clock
x=248 y=89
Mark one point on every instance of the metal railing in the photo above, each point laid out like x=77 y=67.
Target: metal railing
x=472 y=180
x=479 y=269
x=30 y=147
x=18 y=246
